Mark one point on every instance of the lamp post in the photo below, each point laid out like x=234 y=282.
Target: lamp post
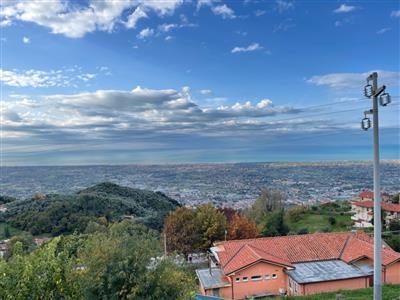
x=372 y=91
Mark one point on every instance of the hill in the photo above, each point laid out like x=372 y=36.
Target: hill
x=61 y=214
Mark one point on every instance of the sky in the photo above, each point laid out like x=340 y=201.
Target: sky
x=178 y=81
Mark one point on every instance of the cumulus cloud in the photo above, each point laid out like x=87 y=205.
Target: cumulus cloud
x=76 y=20
x=343 y=8
x=224 y=11
x=250 y=48
x=133 y=18
x=353 y=80
x=43 y=79
x=26 y=40
x=106 y=114
x=145 y=33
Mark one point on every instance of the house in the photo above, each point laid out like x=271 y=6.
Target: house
x=4 y=247
x=363 y=210
x=294 y=265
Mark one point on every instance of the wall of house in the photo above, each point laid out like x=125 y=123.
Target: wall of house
x=261 y=278
x=330 y=286
x=393 y=273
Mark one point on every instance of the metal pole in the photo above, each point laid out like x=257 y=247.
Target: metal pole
x=377 y=197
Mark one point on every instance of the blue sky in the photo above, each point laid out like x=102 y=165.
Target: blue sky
x=115 y=82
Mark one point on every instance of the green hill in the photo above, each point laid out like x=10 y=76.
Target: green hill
x=61 y=214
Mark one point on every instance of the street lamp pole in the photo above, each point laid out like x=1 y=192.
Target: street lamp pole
x=372 y=91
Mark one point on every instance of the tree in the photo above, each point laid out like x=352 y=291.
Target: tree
x=167 y=281
x=181 y=232
x=210 y=225
x=269 y=200
x=241 y=227
x=228 y=212
x=7 y=233
x=275 y=224
x=395 y=198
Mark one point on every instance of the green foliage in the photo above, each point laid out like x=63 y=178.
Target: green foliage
x=210 y=225
x=118 y=263
x=275 y=224
x=332 y=220
x=190 y=230
x=296 y=213
x=268 y=201
x=320 y=218
x=394 y=225
x=63 y=214
x=395 y=198
x=6 y=199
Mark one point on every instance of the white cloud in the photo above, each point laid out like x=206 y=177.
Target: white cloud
x=395 y=14
x=224 y=11
x=138 y=14
x=201 y=3
x=167 y=27
x=145 y=33
x=44 y=79
x=383 y=30
x=282 y=5
x=76 y=20
x=168 y=38
x=259 y=12
x=5 y=23
x=205 y=92
x=250 y=48
x=343 y=8
x=353 y=80
x=26 y=40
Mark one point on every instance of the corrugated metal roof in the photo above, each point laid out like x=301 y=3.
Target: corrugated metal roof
x=324 y=271
x=215 y=279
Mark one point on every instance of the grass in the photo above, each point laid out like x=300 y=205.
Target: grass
x=389 y=292
x=316 y=219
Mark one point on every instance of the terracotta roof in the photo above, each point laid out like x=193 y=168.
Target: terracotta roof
x=249 y=254
x=287 y=250
x=357 y=248
x=367 y=194
x=385 y=206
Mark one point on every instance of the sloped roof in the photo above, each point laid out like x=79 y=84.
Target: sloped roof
x=385 y=205
x=367 y=194
x=249 y=254
x=324 y=271
x=212 y=278
x=288 y=250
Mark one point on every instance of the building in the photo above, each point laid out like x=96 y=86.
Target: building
x=294 y=265
x=363 y=213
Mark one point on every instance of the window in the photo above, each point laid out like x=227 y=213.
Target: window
x=256 y=277
x=267 y=277
x=245 y=279
x=215 y=292
x=274 y=276
x=237 y=279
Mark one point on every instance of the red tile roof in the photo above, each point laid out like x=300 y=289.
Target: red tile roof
x=385 y=205
x=367 y=194
x=286 y=250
